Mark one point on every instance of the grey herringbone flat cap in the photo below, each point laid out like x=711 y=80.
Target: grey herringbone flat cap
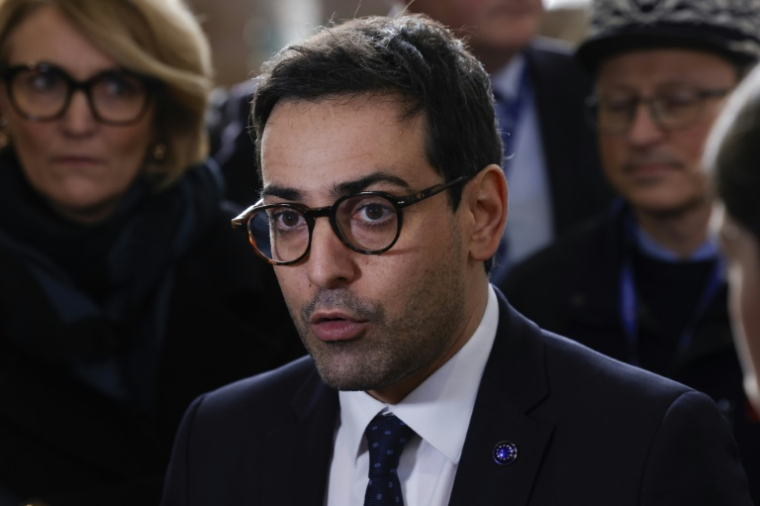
x=730 y=28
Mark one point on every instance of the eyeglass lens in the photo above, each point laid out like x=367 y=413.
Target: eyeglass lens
x=671 y=110
x=43 y=93
x=367 y=222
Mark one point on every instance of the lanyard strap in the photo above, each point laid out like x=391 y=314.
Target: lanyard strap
x=629 y=302
x=509 y=113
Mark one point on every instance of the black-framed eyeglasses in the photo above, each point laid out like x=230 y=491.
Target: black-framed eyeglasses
x=670 y=110
x=42 y=92
x=366 y=222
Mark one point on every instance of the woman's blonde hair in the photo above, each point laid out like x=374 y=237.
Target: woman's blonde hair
x=157 y=38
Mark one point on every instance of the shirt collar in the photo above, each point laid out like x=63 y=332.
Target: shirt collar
x=448 y=394
x=648 y=246
x=507 y=80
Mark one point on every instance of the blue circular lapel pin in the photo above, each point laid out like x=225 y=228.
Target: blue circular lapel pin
x=505 y=453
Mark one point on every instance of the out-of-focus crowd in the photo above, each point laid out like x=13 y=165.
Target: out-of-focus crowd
x=632 y=163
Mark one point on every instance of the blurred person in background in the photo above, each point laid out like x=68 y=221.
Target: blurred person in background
x=123 y=292
x=645 y=283
x=733 y=157
x=551 y=157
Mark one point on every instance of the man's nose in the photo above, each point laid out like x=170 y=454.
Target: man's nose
x=330 y=263
x=644 y=128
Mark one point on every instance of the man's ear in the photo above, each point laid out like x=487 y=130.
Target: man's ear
x=487 y=199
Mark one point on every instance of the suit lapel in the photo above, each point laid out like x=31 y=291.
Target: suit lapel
x=298 y=455
x=513 y=383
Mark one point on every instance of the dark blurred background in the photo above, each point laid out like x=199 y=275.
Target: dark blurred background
x=244 y=33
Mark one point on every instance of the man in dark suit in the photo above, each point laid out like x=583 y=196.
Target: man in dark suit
x=644 y=283
x=551 y=157
x=423 y=385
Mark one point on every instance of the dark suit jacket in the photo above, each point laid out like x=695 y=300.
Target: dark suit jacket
x=560 y=86
x=573 y=288
x=589 y=430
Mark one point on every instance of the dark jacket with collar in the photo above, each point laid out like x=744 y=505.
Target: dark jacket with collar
x=589 y=430
x=560 y=86
x=66 y=444
x=573 y=288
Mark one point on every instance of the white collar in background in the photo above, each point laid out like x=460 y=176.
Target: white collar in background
x=648 y=246
x=507 y=80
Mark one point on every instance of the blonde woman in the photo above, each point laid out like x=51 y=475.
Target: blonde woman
x=123 y=291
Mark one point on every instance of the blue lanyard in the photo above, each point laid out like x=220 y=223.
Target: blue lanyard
x=629 y=303
x=509 y=113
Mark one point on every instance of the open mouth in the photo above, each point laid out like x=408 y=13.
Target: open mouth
x=336 y=328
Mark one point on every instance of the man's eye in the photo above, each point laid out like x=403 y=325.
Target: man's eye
x=287 y=219
x=374 y=212
x=676 y=101
x=619 y=104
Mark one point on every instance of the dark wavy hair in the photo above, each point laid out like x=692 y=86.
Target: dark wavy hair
x=410 y=57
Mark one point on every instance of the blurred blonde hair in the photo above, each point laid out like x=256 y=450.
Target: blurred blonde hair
x=157 y=38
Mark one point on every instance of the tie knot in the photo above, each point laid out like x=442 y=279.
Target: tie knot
x=386 y=437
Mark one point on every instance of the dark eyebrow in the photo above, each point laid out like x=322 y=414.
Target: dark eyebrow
x=281 y=192
x=339 y=189
x=361 y=184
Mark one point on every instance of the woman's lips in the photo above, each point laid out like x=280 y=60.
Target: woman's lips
x=76 y=160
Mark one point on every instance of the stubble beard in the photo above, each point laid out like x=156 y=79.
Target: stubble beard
x=392 y=349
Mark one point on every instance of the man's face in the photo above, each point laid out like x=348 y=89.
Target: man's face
x=491 y=25
x=658 y=169
x=383 y=322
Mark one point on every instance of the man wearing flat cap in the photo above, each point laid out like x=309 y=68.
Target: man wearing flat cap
x=645 y=283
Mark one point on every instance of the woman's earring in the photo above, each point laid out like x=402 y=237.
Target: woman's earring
x=159 y=152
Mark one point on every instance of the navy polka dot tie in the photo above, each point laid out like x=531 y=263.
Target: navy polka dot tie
x=386 y=437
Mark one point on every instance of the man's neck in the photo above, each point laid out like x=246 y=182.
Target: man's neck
x=681 y=232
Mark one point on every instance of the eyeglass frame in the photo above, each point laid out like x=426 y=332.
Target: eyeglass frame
x=310 y=214
x=7 y=73
x=702 y=95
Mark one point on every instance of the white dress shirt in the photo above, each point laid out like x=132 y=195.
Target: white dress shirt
x=530 y=224
x=439 y=412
